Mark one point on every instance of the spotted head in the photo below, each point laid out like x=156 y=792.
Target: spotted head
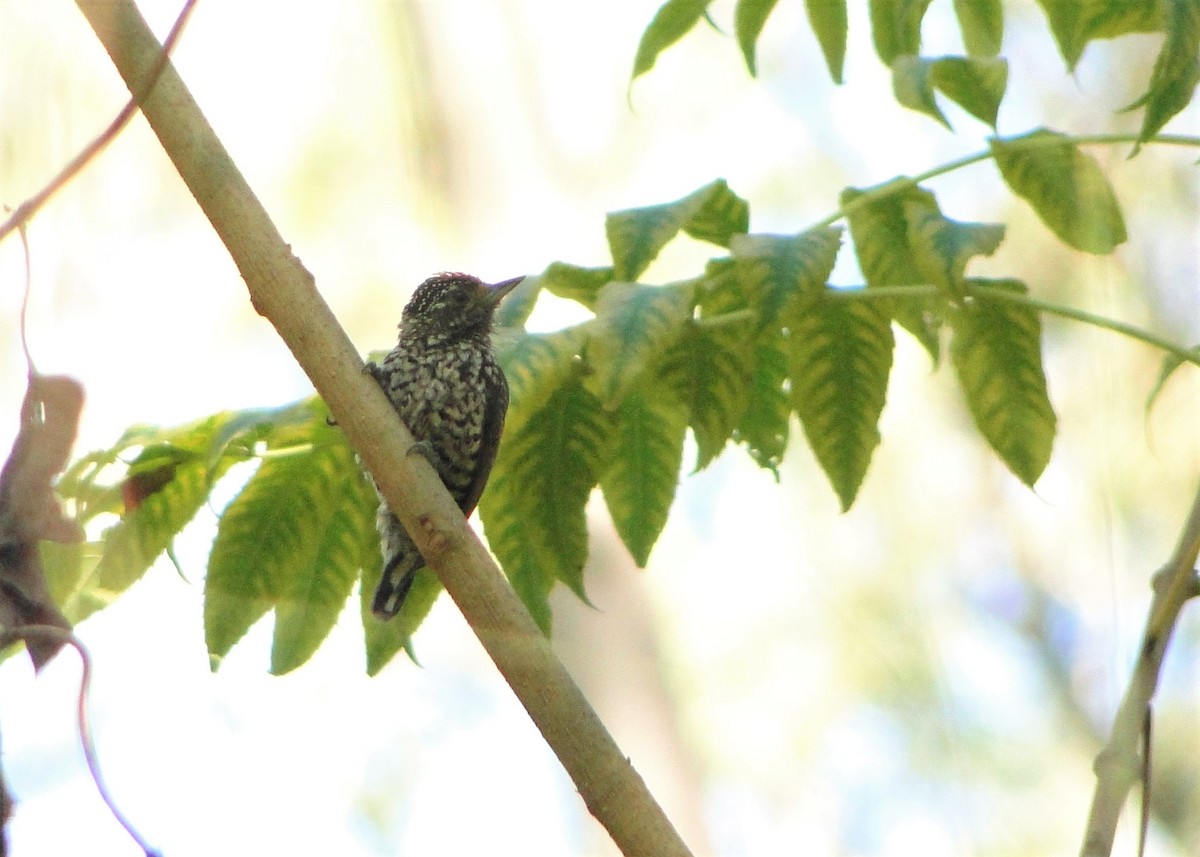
x=450 y=306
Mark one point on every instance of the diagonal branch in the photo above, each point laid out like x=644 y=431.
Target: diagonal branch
x=285 y=293
x=1119 y=764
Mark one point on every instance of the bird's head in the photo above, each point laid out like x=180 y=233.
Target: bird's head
x=454 y=305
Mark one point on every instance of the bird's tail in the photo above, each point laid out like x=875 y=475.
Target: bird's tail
x=397 y=580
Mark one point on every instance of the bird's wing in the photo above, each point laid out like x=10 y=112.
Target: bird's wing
x=489 y=443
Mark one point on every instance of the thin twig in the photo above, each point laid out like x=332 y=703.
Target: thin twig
x=26 y=210
x=284 y=292
x=60 y=636
x=1119 y=764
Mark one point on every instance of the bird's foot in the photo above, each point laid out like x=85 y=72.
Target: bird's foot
x=424 y=449
x=375 y=371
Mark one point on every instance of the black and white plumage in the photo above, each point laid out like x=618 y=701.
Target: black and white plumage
x=450 y=392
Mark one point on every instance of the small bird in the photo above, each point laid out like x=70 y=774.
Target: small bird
x=447 y=387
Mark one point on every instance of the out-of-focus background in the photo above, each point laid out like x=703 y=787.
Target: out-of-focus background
x=931 y=673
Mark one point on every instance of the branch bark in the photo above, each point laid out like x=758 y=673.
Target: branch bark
x=1119 y=764
x=285 y=294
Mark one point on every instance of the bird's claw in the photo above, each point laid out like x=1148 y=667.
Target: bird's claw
x=424 y=449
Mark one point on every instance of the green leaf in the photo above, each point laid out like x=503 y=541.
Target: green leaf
x=773 y=269
x=879 y=228
x=764 y=424
x=1077 y=22
x=535 y=365
x=828 y=21
x=384 y=639
x=1176 y=70
x=671 y=22
x=639 y=485
x=634 y=327
x=976 y=85
x=294 y=540
x=839 y=357
x=996 y=352
x=132 y=544
x=346 y=540
x=896 y=27
x=710 y=367
x=636 y=236
x=879 y=225
x=1065 y=186
x=577 y=284
x=982 y=26
x=534 y=509
x=748 y=20
x=942 y=247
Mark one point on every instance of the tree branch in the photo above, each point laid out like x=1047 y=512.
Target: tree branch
x=285 y=293
x=1119 y=764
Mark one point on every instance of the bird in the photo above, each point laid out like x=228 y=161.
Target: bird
x=445 y=383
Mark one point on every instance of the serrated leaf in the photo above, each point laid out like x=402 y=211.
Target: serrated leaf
x=534 y=509
x=1065 y=186
x=634 y=327
x=317 y=591
x=535 y=365
x=976 y=85
x=941 y=247
x=997 y=356
x=384 y=639
x=294 y=540
x=636 y=235
x=639 y=484
x=982 y=25
x=774 y=269
x=1176 y=69
x=575 y=283
x=748 y=19
x=670 y=23
x=896 y=27
x=839 y=358
x=829 y=24
x=711 y=369
x=132 y=544
x=879 y=228
x=765 y=423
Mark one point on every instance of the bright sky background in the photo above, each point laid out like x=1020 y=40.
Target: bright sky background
x=786 y=678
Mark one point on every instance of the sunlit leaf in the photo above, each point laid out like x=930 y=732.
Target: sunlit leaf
x=839 y=358
x=635 y=325
x=829 y=23
x=713 y=213
x=996 y=350
x=1170 y=363
x=1065 y=186
x=535 y=365
x=533 y=510
x=982 y=26
x=670 y=23
x=975 y=84
x=575 y=283
x=748 y=19
x=775 y=268
x=896 y=27
x=1077 y=22
x=639 y=485
x=941 y=247
x=1176 y=70
x=765 y=423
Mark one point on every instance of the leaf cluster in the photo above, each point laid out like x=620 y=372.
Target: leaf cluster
x=976 y=79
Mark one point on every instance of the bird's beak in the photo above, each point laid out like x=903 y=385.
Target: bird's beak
x=497 y=292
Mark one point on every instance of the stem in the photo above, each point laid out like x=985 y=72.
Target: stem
x=1186 y=355
x=285 y=294
x=905 y=182
x=1118 y=765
